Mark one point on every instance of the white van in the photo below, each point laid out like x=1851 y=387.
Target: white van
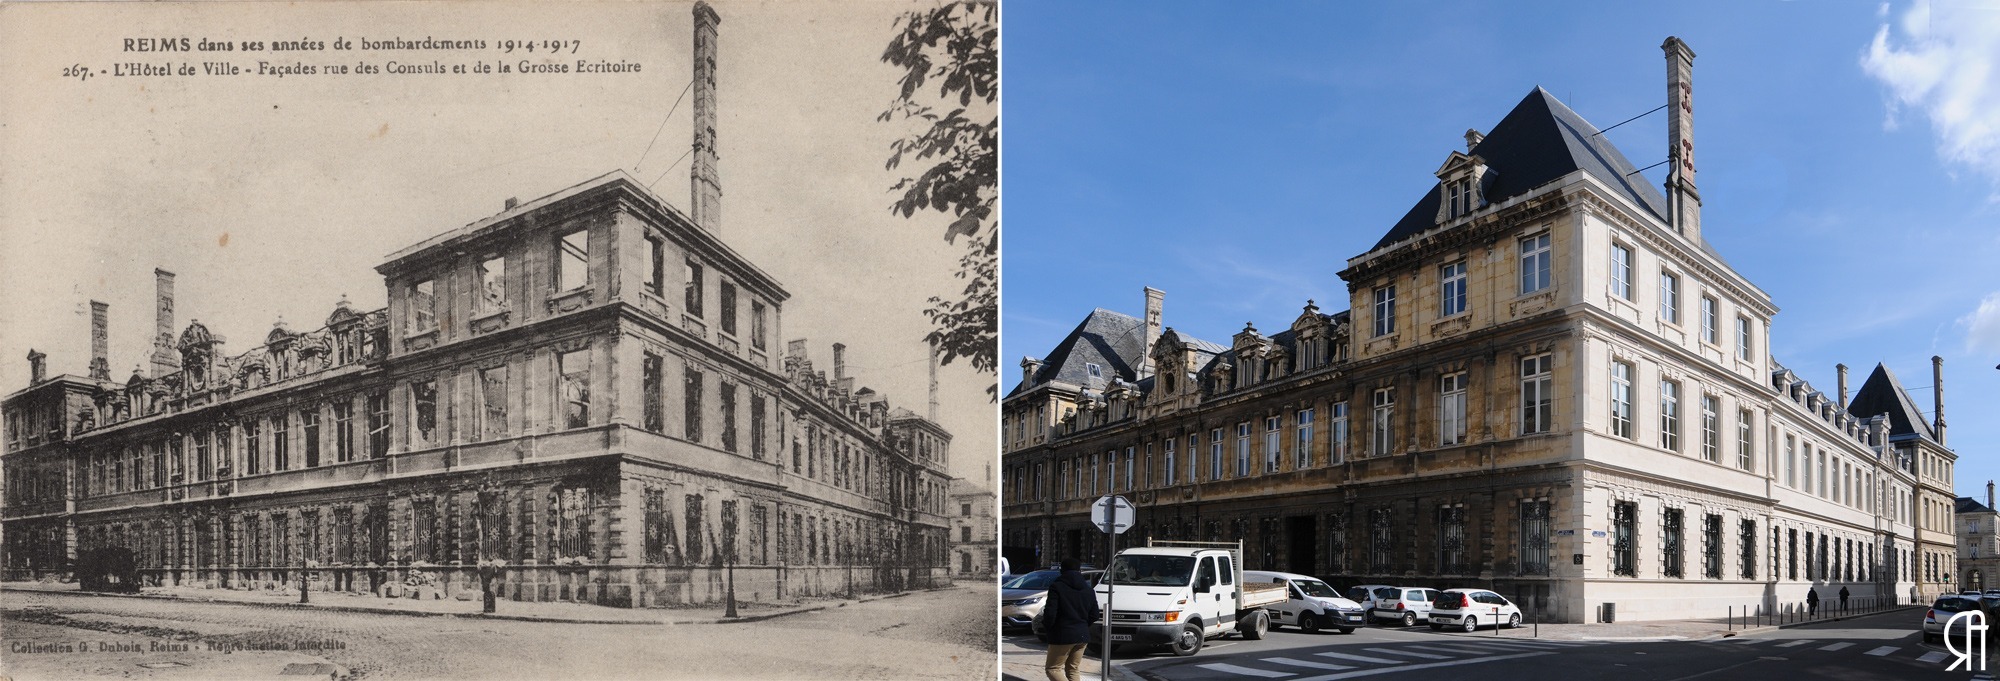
x=1181 y=593
x=1313 y=605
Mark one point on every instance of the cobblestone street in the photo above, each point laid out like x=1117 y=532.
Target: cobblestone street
x=945 y=634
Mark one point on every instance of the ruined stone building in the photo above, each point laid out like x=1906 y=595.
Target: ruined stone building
x=975 y=544
x=1546 y=382
x=586 y=390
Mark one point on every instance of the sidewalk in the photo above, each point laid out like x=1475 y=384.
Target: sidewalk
x=1658 y=630
x=569 y=613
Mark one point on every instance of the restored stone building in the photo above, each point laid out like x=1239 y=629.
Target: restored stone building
x=1978 y=528
x=583 y=393
x=974 y=530
x=1547 y=383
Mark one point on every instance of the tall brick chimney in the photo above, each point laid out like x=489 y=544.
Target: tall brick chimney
x=1683 y=202
x=100 y=341
x=839 y=362
x=705 y=183
x=165 y=359
x=932 y=414
x=1841 y=370
x=1937 y=394
x=1989 y=494
x=1155 y=301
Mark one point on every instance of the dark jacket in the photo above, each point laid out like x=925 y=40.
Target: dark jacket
x=1071 y=607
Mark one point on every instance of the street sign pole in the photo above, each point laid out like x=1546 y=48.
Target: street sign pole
x=1110 y=585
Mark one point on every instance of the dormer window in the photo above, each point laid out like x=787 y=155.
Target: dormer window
x=1095 y=370
x=1460 y=197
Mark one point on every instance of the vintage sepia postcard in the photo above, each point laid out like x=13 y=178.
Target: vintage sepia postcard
x=467 y=340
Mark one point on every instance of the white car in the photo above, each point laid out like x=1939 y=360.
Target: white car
x=1365 y=595
x=1313 y=605
x=1468 y=608
x=1408 y=605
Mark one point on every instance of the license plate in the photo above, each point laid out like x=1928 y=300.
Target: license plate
x=1121 y=637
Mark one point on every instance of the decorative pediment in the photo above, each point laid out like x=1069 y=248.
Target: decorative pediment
x=279 y=334
x=343 y=313
x=1248 y=338
x=1310 y=321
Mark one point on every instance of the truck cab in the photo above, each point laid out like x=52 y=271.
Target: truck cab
x=1179 y=594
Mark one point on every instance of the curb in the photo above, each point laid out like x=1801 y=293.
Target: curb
x=468 y=615
x=1823 y=620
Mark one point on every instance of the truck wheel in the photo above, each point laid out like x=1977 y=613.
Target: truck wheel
x=1409 y=619
x=1189 y=642
x=1253 y=627
x=1308 y=623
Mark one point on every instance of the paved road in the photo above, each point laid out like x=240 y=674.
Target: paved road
x=944 y=634
x=1879 y=647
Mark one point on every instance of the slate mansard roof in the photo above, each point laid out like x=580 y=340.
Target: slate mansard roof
x=1113 y=341
x=1539 y=141
x=1881 y=394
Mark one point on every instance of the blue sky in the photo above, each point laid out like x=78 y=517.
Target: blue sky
x=1235 y=155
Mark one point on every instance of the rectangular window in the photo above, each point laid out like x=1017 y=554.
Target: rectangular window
x=493 y=401
x=1272 y=437
x=726 y=409
x=492 y=285
x=281 y=445
x=1743 y=338
x=378 y=425
x=656 y=270
x=1791 y=463
x=1451 y=292
x=1337 y=433
x=1708 y=320
x=1670 y=542
x=1670 y=415
x=1385 y=310
x=1129 y=459
x=1385 y=417
x=1670 y=298
x=1451 y=409
x=727 y=303
x=1243 y=449
x=573 y=260
x=1711 y=429
x=691 y=399
x=343 y=430
x=1381 y=541
x=1538 y=394
x=1302 y=454
x=1822 y=474
x=1746 y=546
x=1168 y=473
x=758 y=331
x=1534 y=263
x=1743 y=442
x=1215 y=454
x=1534 y=537
x=423 y=306
x=694 y=285
x=1711 y=546
x=757 y=427
x=573 y=370
x=1621 y=271
x=252 y=449
x=423 y=398
x=1621 y=400
x=202 y=462
x=309 y=429
x=1451 y=540
x=1624 y=538
x=651 y=384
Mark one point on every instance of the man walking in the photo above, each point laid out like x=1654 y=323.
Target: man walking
x=1843 y=599
x=1066 y=618
x=1812 y=602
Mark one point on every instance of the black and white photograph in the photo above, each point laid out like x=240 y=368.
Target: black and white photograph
x=490 y=340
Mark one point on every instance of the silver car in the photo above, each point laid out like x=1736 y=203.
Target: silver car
x=1021 y=597
x=1408 y=605
x=1939 y=616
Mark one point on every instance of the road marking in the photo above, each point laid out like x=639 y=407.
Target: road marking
x=1462 y=648
x=1426 y=665
x=1547 y=644
x=1360 y=658
x=1836 y=646
x=1391 y=651
x=1304 y=663
x=1931 y=657
x=1799 y=642
x=1245 y=671
x=1746 y=641
x=1497 y=645
x=1884 y=650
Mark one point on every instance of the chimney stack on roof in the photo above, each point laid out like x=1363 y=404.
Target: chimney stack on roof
x=1155 y=300
x=1937 y=394
x=100 y=341
x=165 y=359
x=1683 y=202
x=1841 y=370
x=839 y=362
x=932 y=414
x=38 y=367
x=1029 y=366
x=1989 y=494
x=705 y=183
x=1472 y=139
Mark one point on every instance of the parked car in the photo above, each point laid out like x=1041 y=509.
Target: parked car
x=1021 y=598
x=1313 y=605
x=1034 y=620
x=1467 y=608
x=1365 y=595
x=1408 y=605
x=1939 y=616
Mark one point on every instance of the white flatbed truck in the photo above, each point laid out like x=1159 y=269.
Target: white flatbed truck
x=1182 y=593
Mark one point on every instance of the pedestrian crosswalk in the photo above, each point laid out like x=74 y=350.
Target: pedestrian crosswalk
x=1345 y=662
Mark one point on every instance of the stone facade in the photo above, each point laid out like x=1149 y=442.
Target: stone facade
x=1551 y=388
x=974 y=531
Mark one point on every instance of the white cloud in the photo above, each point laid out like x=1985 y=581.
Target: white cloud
x=1943 y=61
x=1982 y=326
